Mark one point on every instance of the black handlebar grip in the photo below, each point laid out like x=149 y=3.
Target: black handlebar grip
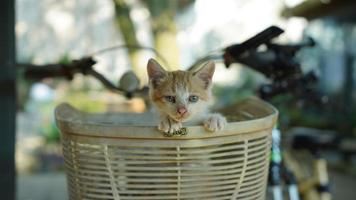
x=263 y=37
x=48 y=71
x=38 y=72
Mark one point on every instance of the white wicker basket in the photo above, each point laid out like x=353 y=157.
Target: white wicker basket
x=123 y=156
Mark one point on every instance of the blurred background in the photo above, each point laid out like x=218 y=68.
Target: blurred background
x=182 y=32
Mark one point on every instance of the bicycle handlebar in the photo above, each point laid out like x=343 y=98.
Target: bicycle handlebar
x=83 y=66
x=276 y=63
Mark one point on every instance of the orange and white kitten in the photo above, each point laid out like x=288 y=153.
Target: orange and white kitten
x=183 y=96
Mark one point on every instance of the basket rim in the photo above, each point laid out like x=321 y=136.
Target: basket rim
x=73 y=122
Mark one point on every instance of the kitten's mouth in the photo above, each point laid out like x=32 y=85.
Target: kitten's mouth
x=181 y=118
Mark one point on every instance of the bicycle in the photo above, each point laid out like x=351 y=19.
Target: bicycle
x=276 y=63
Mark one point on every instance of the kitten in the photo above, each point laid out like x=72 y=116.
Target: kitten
x=183 y=96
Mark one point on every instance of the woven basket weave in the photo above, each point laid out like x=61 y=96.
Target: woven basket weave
x=123 y=156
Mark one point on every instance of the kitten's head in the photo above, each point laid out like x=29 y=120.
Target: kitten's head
x=180 y=94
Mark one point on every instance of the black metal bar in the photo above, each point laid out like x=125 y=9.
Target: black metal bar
x=104 y=81
x=7 y=100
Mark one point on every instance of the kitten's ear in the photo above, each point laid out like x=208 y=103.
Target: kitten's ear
x=206 y=73
x=155 y=71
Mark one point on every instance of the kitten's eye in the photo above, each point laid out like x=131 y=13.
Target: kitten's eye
x=193 y=98
x=170 y=99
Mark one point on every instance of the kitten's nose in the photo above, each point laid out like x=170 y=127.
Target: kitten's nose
x=181 y=110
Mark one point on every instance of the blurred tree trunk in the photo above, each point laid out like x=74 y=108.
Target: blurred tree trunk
x=164 y=29
x=127 y=29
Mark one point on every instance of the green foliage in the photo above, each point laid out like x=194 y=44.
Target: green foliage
x=65 y=59
x=227 y=95
x=162 y=13
x=125 y=23
x=50 y=132
x=82 y=101
x=312 y=115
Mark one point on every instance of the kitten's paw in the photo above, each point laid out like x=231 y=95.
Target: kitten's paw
x=169 y=126
x=175 y=126
x=215 y=122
